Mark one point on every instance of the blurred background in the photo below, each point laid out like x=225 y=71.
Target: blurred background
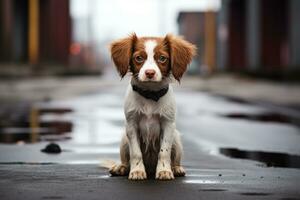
x=54 y=53
x=72 y=36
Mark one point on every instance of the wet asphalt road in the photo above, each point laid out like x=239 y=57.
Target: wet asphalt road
x=207 y=124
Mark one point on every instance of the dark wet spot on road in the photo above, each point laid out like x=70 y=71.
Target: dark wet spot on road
x=220 y=174
x=263 y=117
x=52 y=148
x=238 y=100
x=271 y=159
x=14 y=134
x=212 y=190
x=254 y=194
x=53 y=197
x=27 y=163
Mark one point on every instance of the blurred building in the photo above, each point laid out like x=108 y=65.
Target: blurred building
x=191 y=26
x=200 y=29
x=259 y=35
x=35 y=31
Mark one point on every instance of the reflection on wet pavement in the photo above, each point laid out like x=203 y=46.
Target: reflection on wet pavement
x=271 y=159
x=262 y=117
x=34 y=124
x=96 y=123
x=202 y=181
x=255 y=194
x=212 y=190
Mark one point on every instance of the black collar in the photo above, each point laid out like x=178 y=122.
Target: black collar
x=150 y=94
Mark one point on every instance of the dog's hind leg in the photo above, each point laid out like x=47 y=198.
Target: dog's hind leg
x=123 y=168
x=176 y=156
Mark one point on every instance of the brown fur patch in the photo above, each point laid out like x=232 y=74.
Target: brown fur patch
x=121 y=52
x=179 y=54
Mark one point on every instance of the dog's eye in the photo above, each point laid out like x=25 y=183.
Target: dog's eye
x=162 y=59
x=139 y=59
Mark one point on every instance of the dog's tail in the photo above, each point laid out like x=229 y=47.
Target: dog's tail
x=108 y=164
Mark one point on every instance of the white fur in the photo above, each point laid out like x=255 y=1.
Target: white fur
x=149 y=122
x=150 y=62
x=151 y=143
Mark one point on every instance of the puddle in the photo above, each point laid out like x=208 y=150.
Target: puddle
x=15 y=134
x=270 y=159
x=56 y=110
x=53 y=197
x=255 y=194
x=28 y=125
x=212 y=190
x=237 y=100
x=262 y=117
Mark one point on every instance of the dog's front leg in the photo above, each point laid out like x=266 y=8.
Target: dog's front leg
x=137 y=168
x=163 y=169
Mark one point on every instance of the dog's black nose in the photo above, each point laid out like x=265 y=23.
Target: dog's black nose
x=150 y=73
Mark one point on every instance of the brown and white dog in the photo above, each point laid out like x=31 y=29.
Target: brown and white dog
x=151 y=143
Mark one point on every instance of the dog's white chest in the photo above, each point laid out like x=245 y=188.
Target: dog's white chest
x=148 y=109
x=149 y=122
x=149 y=128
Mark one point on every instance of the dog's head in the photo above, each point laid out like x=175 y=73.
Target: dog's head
x=152 y=58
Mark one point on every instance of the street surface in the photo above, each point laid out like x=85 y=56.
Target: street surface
x=211 y=126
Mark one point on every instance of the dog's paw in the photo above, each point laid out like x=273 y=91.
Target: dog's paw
x=137 y=175
x=164 y=175
x=178 y=171
x=119 y=170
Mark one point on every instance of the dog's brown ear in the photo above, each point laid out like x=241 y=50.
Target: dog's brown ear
x=181 y=52
x=121 y=52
